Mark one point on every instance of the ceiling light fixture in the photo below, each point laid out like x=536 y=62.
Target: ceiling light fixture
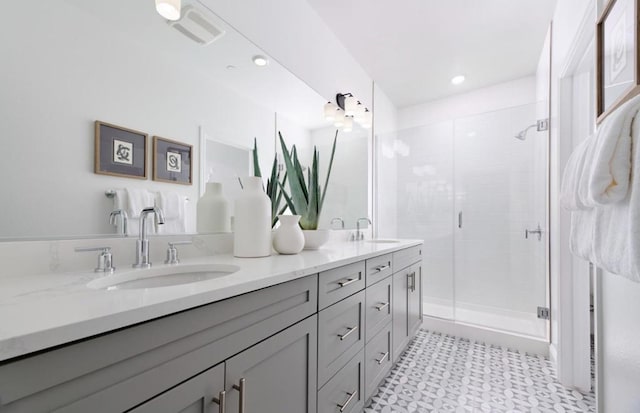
x=330 y=111
x=348 y=124
x=348 y=109
x=260 y=60
x=456 y=80
x=338 y=120
x=169 y=9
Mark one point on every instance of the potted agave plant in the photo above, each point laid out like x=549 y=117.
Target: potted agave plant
x=306 y=195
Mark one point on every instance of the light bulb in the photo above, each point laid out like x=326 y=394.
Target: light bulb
x=260 y=60
x=348 y=124
x=359 y=114
x=350 y=104
x=456 y=80
x=367 y=120
x=169 y=9
x=338 y=120
x=330 y=111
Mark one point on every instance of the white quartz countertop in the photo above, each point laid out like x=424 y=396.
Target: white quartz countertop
x=42 y=311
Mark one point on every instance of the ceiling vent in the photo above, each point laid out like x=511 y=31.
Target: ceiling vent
x=197 y=27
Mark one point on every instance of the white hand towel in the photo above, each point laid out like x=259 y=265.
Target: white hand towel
x=172 y=205
x=570 y=198
x=611 y=166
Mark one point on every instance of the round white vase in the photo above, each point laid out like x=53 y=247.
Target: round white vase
x=315 y=238
x=252 y=220
x=212 y=211
x=288 y=237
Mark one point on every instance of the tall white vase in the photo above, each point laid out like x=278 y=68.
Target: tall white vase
x=288 y=238
x=252 y=220
x=213 y=210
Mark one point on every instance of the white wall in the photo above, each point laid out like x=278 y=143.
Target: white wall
x=291 y=32
x=504 y=95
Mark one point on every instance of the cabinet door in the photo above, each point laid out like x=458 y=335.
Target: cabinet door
x=399 y=303
x=414 y=301
x=193 y=396
x=278 y=375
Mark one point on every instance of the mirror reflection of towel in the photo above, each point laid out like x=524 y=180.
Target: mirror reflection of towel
x=173 y=207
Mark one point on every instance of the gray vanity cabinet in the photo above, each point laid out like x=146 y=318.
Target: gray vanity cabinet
x=193 y=396
x=278 y=374
x=407 y=302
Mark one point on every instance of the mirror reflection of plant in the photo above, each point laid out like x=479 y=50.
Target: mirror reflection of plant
x=273 y=190
x=305 y=197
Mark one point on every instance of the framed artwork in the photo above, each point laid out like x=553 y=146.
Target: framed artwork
x=617 y=77
x=120 y=151
x=172 y=161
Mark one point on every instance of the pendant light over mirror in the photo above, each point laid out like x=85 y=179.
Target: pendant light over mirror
x=347 y=110
x=169 y=9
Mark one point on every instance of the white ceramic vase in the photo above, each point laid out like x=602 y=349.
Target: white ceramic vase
x=288 y=237
x=252 y=220
x=315 y=238
x=212 y=211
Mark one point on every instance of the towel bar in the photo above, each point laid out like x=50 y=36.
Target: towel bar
x=110 y=193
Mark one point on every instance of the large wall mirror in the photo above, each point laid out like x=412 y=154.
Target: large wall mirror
x=68 y=63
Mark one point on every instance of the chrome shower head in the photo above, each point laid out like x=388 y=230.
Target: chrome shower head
x=522 y=135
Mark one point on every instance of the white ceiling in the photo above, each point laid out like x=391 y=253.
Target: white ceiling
x=412 y=48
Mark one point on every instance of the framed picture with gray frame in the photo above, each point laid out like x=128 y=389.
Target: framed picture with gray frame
x=172 y=161
x=120 y=151
x=617 y=64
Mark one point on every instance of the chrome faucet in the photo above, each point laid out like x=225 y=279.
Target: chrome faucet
x=142 y=243
x=124 y=218
x=338 y=219
x=359 y=234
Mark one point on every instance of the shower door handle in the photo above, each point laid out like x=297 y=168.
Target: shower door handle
x=460 y=219
x=537 y=231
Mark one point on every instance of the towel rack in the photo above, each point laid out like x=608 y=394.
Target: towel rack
x=110 y=193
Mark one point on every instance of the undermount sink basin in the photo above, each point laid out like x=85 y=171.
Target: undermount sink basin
x=162 y=276
x=383 y=241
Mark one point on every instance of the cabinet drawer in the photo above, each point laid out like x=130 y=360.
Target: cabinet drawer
x=378 y=307
x=344 y=392
x=406 y=257
x=379 y=268
x=377 y=362
x=339 y=283
x=340 y=335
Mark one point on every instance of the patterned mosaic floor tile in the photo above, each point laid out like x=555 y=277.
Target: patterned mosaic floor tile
x=441 y=373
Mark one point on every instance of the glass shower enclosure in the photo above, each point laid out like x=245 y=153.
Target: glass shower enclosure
x=475 y=189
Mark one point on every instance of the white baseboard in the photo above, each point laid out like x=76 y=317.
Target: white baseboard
x=526 y=344
x=553 y=355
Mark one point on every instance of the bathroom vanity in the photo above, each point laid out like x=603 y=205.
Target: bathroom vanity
x=315 y=332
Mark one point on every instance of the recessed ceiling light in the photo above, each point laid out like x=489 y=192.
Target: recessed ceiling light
x=231 y=67
x=260 y=60
x=456 y=80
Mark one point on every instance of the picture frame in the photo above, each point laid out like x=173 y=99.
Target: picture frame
x=120 y=151
x=617 y=63
x=172 y=161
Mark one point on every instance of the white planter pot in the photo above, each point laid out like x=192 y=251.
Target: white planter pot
x=288 y=237
x=315 y=238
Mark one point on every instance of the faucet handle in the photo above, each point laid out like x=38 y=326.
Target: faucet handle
x=105 y=258
x=172 y=251
x=338 y=219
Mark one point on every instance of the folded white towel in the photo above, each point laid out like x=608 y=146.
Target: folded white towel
x=610 y=168
x=173 y=208
x=572 y=182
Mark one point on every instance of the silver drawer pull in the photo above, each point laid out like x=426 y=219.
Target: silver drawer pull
x=345 y=335
x=383 y=358
x=351 y=395
x=241 y=390
x=347 y=282
x=221 y=401
x=381 y=268
x=382 y=306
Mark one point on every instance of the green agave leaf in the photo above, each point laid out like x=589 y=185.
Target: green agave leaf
x=300 y=172
x=326 y=182
x=297 y=200
x=256 y=163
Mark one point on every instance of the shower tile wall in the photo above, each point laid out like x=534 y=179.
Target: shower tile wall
x=486 y=272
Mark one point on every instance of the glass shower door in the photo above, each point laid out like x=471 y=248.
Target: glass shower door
x=500 y=204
